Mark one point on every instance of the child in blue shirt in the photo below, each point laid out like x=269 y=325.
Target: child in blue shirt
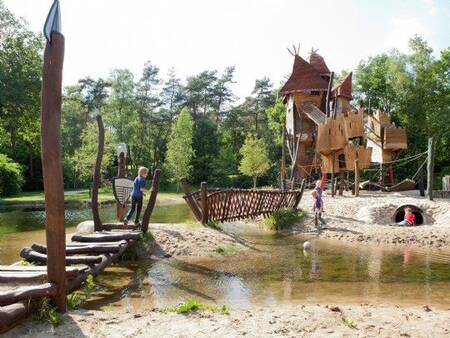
x=137 y=195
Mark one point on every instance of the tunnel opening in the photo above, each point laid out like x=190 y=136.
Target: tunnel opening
x=399 y=214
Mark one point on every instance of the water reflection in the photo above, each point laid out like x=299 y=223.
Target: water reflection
x=282 y=273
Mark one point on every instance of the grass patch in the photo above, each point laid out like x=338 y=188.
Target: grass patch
x=228 y=249
x=47 y=313
x=26 y=263
x=214 y=225
x=192 y=306
x=348 y=322
x=283 y=218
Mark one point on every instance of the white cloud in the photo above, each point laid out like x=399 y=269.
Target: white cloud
x=432 y=6
x=402 y=29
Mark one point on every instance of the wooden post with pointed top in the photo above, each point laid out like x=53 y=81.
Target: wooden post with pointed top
x=151 y=201
x=52 y=168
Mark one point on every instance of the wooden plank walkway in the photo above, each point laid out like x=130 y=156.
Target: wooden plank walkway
x=91 y=252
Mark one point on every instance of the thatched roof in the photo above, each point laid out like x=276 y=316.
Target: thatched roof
x=304 y=77
x=344 y=87
x=318 y=63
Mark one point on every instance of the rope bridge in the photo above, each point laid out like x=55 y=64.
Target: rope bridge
x=227 y=205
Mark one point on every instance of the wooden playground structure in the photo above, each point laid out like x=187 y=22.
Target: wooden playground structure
x=325 y=133
x=59 y=268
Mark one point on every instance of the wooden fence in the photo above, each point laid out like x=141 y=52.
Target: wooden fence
x=227 y=205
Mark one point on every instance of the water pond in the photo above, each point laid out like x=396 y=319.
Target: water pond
x=275 y=269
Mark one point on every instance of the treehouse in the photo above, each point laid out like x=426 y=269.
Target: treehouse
x=320 y=121
x=384 y=137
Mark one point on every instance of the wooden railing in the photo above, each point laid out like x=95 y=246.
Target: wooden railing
x=227 y=205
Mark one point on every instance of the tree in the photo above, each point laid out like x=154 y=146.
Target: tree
x=11 y=179
x=255 y=161
x=179 y=148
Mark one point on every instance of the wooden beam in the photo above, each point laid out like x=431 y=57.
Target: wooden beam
x=107 y=236
x=84 y=249
x=190 y=200
x=97 y=174
x=330 y=84
x=151 y=201
x=52 y=165
x=204 y=201
x=34 y=256
x=28 y=292
x=356 y=187
x=430 y=168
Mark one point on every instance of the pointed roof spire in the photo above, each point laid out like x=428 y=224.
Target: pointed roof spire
x=344 y=87
x=304 y=77
x=318 y=62
x=53 y=21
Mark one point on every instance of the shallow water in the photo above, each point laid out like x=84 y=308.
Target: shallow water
x=20 y=227
x=276 y=270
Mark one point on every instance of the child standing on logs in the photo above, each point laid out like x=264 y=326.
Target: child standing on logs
x=137 y=196
x=318 y=209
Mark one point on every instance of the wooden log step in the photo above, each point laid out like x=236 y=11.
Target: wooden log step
x=71 y=271
x=119 y=226
x=22 y=276
x=83 y=249
x=28 y=292
x=34 y=256
x=107 y=236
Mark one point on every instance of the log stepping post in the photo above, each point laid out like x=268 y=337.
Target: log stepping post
x=97 y=174
x=51 y=166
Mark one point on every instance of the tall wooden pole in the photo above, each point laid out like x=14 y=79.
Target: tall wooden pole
x=97 y=174
x=283 y=158
x=356 y=178
x=333 y=191
x=430 y=168
x=51 y=166
x=330 y=84
x=151 y=201
x=204 y=201
x=121 y=173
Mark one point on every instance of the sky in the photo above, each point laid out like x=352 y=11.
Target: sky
x=253 y=35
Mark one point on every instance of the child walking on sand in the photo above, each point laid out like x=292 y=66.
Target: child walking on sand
x=318 y=209
x=410 y=218
x=137 y=195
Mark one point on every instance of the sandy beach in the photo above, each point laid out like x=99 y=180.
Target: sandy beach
x=368 y=219
x=333 y=320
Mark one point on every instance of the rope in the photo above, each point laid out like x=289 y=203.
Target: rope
x=407 y=158
x=418 y=170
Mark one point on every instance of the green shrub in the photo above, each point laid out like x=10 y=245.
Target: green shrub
x=228 y=250
x=47 y=313
x=11 y=179
x=283 y=218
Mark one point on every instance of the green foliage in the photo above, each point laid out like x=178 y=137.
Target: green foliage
x=192 y=305
x=179 y=147
x=255 y=161
x=277 y=119
x=348 y=322
x=47 y=313
x=75 y=299
x=26 y=263
x=140 y=249
x=283 y=218
x=228 y=250
x=11 y=179
x=214 y=225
